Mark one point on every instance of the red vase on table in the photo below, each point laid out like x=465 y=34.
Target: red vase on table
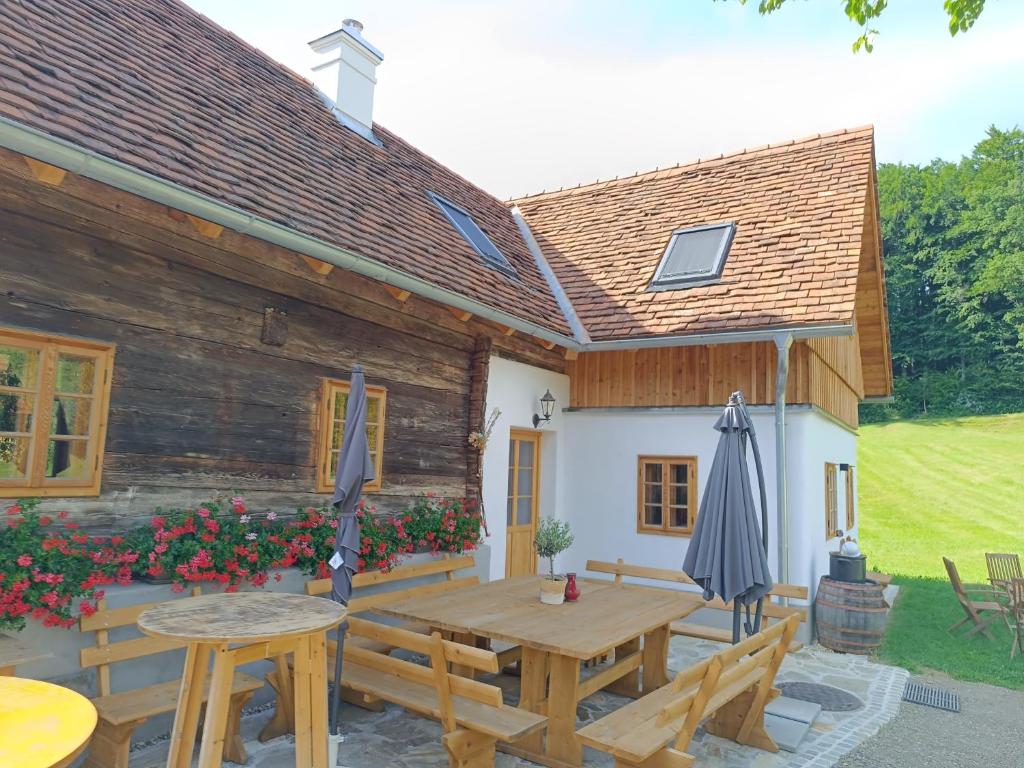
x=571 y=590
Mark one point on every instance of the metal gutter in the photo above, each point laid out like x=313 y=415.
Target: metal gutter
x=783 y=342
x=723 y=337
x=549 y=274
x=83 y=162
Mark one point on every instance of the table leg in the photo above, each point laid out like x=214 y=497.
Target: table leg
x=562 y=743
x=217 y=705
x=627 y=685
x=655 y=659
x=190 y=701
x=318 y=693
x=533 y=680
x=7 y=671
x=303 y=702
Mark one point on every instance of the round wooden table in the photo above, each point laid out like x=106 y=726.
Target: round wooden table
x=240 y=628
x=42 y=725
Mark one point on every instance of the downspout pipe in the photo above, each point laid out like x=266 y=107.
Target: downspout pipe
x=783 y=342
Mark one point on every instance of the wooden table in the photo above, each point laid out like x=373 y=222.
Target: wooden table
x=42 y=725
x=261 y=625
x=14 y=652
x=555 y=639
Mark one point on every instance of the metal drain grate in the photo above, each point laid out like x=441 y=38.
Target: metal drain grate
x=916 y=693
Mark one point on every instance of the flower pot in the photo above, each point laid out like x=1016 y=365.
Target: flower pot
x=552 y=591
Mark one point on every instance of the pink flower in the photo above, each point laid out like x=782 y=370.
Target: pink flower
x=244 y=519
x=250 y=536
x=203 y=512
x=24 y=561
x=14 y=509
x=271 y=515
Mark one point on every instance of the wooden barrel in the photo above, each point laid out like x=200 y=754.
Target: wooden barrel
x=850 y=616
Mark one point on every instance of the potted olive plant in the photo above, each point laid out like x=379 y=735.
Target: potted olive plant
x=553 y=537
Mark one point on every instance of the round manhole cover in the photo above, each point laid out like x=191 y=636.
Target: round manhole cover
x=830 y=698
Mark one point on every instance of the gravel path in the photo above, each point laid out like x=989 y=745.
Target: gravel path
x=986 y=732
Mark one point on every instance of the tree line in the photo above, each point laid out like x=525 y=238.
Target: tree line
x=953 y=234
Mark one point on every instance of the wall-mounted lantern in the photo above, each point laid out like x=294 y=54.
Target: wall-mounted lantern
x=547 y=407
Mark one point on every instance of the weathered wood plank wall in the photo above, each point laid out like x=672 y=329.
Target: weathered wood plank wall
x=200 y=404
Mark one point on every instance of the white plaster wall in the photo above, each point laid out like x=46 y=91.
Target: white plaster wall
x=516 y=389
x=815 y=439
x=601 y=451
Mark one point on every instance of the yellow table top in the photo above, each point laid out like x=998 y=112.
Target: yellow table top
x=41 y=723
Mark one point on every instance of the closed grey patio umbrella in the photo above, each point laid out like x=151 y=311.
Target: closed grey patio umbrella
x=354 y=469
x=726 y=556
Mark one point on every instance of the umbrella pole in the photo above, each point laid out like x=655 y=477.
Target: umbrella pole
x=736 y=621
x=336 y=693
x=764 y=499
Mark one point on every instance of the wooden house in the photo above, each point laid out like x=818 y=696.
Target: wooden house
x=197 y=244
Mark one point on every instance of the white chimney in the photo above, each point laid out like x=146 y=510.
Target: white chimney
x=349 y=76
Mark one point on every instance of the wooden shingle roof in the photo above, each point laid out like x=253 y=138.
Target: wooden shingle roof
x=799 y=208
x=161 y=88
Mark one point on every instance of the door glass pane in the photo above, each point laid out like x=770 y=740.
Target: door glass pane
x=75 y=373
x=66 y=459
x=678 y=517
x=508 y=516
x=679 y=473
x=525 y=454
x=524 y=511
x=652 y=473
x=16 y=412
x=652 y=515
x=14 y=457
x=525 y=485
x=70 y=415
x=19 y=367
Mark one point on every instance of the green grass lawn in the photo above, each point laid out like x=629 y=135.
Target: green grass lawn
x=945 y=487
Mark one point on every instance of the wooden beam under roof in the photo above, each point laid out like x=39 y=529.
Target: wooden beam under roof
x=320 y=267
x=44 y=172
x=398 y=293
x=461 y=314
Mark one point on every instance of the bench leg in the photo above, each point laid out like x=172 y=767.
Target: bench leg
x=234 y=749
x=729 y=720
x=468 y=749
x=110 y=744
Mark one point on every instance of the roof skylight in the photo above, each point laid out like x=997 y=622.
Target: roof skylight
x=463 y=222
x=695 y=255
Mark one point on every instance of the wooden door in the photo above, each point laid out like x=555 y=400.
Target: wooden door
x=523 y=506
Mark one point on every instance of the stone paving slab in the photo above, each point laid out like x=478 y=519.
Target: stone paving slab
x=397 y=739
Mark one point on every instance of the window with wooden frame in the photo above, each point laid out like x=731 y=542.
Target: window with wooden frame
x=666 y=494
x=54 y=398
x=333 y=401
x=831 y=500
x=851 y=512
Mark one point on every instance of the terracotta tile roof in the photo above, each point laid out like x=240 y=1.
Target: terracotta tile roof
x=159 y=87
x=799 y=209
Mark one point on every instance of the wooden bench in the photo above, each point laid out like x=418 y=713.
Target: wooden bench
x=731 y=688
x=472 y=713
x=119 y=714
x=771 y=610
x=283 y=720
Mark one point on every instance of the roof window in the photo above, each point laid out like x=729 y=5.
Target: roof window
x=694 y=256
x=463 y=222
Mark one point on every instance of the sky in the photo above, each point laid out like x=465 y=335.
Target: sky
x=529 y=95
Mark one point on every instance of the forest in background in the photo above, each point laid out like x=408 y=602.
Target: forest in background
x=954 y=259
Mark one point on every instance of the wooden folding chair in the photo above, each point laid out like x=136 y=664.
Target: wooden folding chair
x=1002 y=569
x=1014 y=615
x=980 y=613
